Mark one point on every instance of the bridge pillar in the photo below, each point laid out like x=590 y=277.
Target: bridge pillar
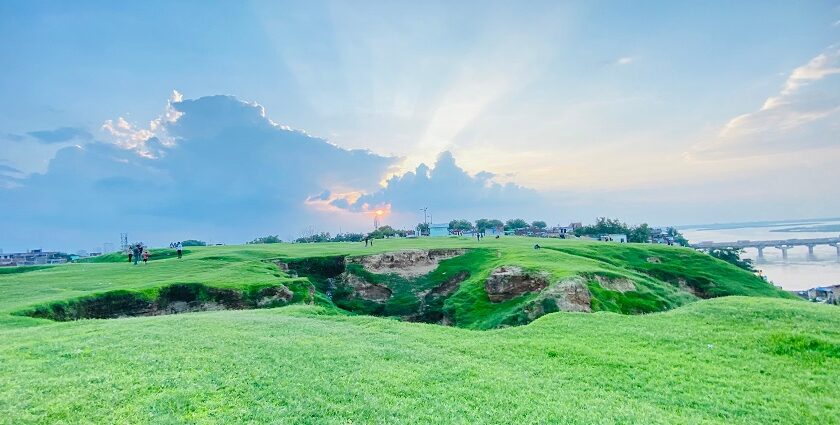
x=760 y=258
x=837 y=247
x=811 y=255
x=784 y=249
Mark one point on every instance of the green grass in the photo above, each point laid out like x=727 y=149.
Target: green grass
x=731 y=360
x=727 y=360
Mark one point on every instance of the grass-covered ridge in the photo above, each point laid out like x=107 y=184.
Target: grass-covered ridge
x=661 y=278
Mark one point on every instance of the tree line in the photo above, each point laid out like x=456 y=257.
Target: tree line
x=640 y=233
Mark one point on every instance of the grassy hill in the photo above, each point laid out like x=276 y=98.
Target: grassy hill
x=658 y=278
x=755 y=359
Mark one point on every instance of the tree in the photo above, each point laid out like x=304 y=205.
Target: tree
x=516 y=223
x=193 y=242
x=639 y=234
x=678 y=237
x=484 y=224
x=266 y=239
x=387 y=231
x=539 y=224
x=423 y=228
x=318 y=237
x=460 y=225
x=603 y=226
x=348 y=237
x=732 y=256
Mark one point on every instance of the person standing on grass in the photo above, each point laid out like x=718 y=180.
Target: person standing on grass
x=145 y=256
x=130 y=254
x=137 y=248
x=180 y=248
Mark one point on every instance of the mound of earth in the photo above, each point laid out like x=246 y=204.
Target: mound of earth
x=409 y=263
x=509 y=282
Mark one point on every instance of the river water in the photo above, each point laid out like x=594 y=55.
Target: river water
x=798 y=272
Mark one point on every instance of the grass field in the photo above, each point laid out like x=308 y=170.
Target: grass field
x=738 y=359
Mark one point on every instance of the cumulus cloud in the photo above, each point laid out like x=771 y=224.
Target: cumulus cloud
x=450 y=191
x=210 y=166
x=131 y=136
x=217 y=167
x=805 y=114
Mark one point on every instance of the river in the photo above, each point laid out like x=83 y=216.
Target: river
x=798 y=272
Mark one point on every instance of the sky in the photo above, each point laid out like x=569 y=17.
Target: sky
x=225 y=121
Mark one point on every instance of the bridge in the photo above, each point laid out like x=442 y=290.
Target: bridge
x=781 y=244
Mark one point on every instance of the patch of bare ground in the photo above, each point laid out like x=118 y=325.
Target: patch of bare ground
x=509 y=282
x=409 y=263
x=620 y=284
x=570 y=294
x=362 y=289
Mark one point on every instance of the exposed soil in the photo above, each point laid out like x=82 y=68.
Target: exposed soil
x=509 y=282
x=173 y=299
x=361 y=289
x=317 y=267
x=571 y=295
x=620 y=284
x=410 y=263
x=683 y=284
x=431 y=301
x=449 y=286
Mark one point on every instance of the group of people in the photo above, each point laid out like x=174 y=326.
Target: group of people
x=177 y=246
x=136 y=252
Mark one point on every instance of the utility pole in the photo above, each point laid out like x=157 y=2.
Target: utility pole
x=425 y=215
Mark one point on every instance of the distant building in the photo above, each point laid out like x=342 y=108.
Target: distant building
x=659 y=235
x=564 y=231
x=493 y=231
x=440 y=229
x=32 y=258
x=822 y=294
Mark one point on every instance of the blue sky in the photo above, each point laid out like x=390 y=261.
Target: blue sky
x=667 y=112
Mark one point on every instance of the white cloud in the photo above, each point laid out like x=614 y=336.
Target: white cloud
x=235 y=174
x=450 y=191
x=130 y=136
x=627 y=60
x=804 y=115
